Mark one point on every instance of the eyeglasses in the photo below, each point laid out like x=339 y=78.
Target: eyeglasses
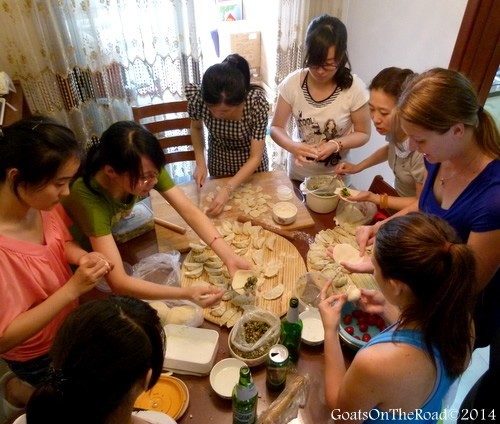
x=146 y=179
x=325 y=66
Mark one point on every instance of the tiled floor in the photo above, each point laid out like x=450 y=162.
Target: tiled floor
x=478 y=365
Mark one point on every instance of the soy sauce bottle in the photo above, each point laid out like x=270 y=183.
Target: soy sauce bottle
x=245 y=398
x=291 y=330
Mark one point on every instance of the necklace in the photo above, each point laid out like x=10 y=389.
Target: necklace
x=443 y=179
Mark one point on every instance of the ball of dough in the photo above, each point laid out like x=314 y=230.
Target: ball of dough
x=181 y=315
x=162 y=309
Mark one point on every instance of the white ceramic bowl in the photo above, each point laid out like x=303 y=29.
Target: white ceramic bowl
x=224 y=376
x=284 y=192
x=284 y=213
x=313 y=332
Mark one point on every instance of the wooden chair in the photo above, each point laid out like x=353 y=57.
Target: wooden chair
x=379 y=186
x=170 y=123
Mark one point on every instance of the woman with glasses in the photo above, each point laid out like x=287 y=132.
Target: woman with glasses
x=123 y=166
x=328 y=104
x=235 y=113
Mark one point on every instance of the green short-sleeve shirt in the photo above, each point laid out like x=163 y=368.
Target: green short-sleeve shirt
x=95 y=213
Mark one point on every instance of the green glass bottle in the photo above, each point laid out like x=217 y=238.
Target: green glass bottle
x=291 y=330
x=245 y=398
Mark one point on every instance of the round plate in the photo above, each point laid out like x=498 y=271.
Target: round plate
x=155 y=417
x=170 y=396
x=224 y=376
x=312 y=331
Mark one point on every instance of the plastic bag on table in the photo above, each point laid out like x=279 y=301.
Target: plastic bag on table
x=180 y=312
x=358 y=213
x=286 y=406
x=267 y=339
x=160 y=268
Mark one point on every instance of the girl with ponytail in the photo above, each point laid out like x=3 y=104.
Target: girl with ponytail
x=427 y=280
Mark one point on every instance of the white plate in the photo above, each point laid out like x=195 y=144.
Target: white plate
x=155 y=417
x=353 y=192
x=224 y=376
x=312 y=331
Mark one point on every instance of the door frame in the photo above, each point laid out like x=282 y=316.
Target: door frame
x=477 y=49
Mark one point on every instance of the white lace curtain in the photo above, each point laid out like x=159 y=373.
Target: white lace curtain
x=84 y=62
x=294 y=17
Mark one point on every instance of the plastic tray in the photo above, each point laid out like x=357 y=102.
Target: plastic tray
x=190 y=350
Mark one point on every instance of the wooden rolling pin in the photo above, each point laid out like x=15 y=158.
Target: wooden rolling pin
x=170 y=226
x=285 y=233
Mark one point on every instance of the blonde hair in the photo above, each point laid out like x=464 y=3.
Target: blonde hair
x=440 y=98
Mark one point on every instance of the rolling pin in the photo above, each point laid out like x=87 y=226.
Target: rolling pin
x=285 y=233
x=170 y=226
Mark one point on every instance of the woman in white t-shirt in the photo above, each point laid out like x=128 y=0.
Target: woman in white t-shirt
x=328 y=103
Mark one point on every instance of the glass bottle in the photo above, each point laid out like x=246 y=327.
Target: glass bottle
x=291 y=330
x=245 y=398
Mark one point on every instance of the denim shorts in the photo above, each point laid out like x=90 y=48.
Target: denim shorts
x=35 y=371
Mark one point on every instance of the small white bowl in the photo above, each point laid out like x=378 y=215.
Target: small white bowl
x=312 y=331
x=284 y=192
x=284 y=213
x=224 y=376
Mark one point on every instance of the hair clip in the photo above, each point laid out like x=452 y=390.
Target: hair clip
x=36 y=125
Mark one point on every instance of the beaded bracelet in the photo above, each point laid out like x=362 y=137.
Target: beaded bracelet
x=340 y=145
x=384 y=200
x=337 y=144
x=213 y=241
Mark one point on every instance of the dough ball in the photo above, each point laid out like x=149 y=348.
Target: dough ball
x=162 y=310
x=182 y=315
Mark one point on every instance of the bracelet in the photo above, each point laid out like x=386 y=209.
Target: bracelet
x=213 y=241
x=384 y=200
x=340 y=145
x=337 y=144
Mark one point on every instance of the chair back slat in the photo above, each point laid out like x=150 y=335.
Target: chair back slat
x=170 y=123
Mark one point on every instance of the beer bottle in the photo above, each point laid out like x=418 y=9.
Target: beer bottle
x=291 y=330
x=245 y=398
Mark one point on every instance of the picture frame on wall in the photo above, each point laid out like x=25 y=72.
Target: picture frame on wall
x=229 y=10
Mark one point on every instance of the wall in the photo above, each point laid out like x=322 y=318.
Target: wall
x=412 y=34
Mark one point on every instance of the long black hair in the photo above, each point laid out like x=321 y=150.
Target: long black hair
x=121 y=146
x=101 y=350
x=227 y=82
x=323 y=32
x=37 y=147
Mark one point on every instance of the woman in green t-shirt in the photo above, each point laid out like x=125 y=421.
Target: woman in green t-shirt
x=124 y=165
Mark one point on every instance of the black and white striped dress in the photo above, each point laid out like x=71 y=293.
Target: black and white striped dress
x=229 y=141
